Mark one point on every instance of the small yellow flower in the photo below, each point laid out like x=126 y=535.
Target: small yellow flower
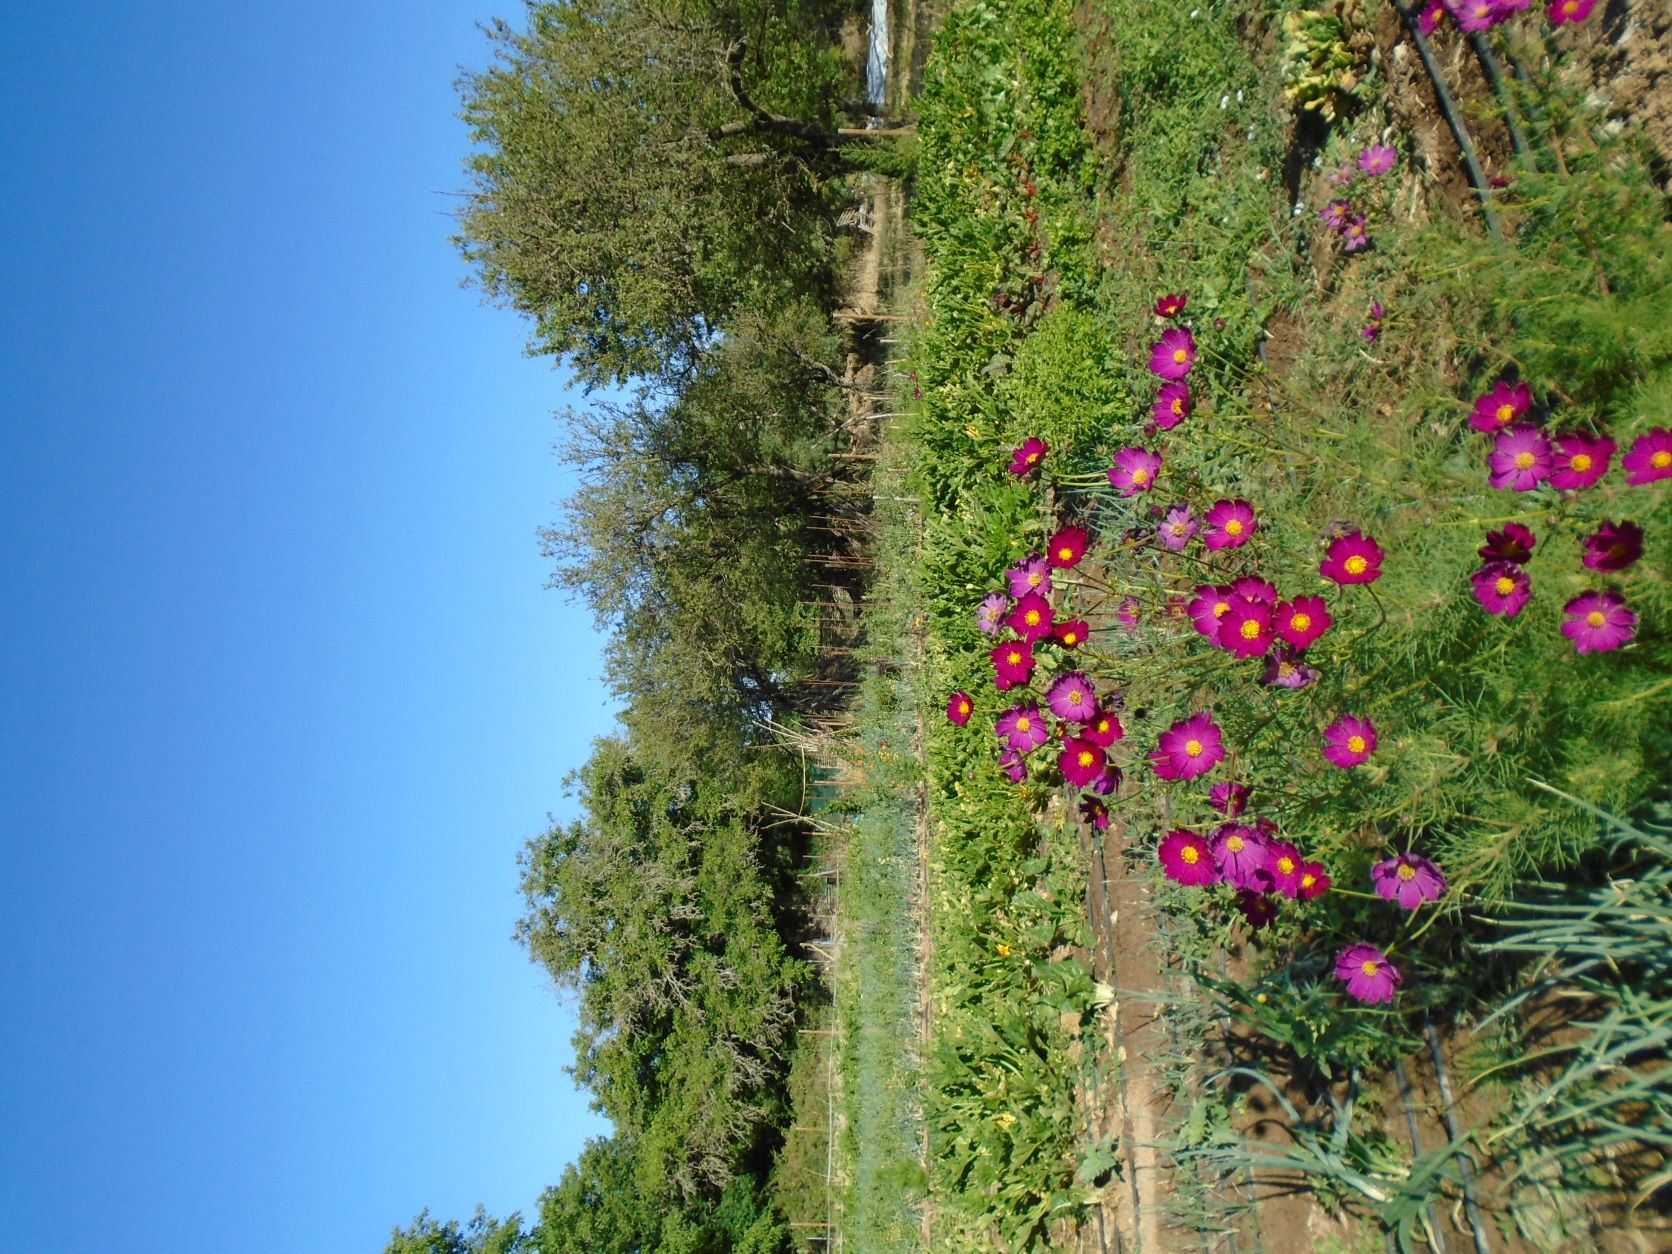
x=1004 y=950
x=1005 y=1120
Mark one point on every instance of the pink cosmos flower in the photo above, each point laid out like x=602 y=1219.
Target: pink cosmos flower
x=1190 y=747
x=1356 y=234
x=1503 y=404
x=1513 y=544
x=1067 y=547
x=1230 y=799
x=1230 y=524
x=1014 y=766
x=1598 y=622
x=1171 y=305
x=1134 y=471
x=1127 y=613
x=1335 y=214
x=1072 y=634
x=1103 y=728
x=1032 y=574
x=1408 y=879
x=1612 y=546
x=1013 y=664
x=1473 y=15
x=1212 y=602
x=1303 y=620
x=1650 y=458
x=1373 y=329
x=1580 y=460
x=1177 y=528
x=1369 y=976
x=1187 y=859
x=1565 y=11
x=1172 y=404
x=1246 y=629
x=1072 y=697
x=1314 y=880
x=1257 y=909
x=1023 y=727
x=1431 y=16
x=1502 y=588
x=959 y=707
x=1081 y=761
x=1283 y=863
x=1173 y=354
x=1256 y=589
x=1352 y=558
x=1378 y=159
x=1521 y=458
x=1349 y=741
x=1239 y=854
x=989 y=615
x=1032 y=618
x=1287 y=668
x=1025 y=460
x=1096 y=813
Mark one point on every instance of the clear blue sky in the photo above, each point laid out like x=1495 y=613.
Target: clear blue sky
x=283 y=693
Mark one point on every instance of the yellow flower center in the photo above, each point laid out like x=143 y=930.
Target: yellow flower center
x=1250 y=630
x=1505 y=413
x=1355 y=744
x=1032 y=458
x=1370 y=966
x=1065 y=554
x=1300 y=622
x=1180 y=355
x=1285 y=670
x=1581 y=462
x=1524 y=461
x=1570 y=7
x=1596 y=618
x=1140 y=475
x=1102 y=726
x=1035 y=578
x=1505 y=586
x=963 y=707
x=1234 y=527
x=1023 y=723
x=1286 y=865
x=1407 y=871
x=1190 y=854
x=1307 y=880
x=1031 y=618
x=1015 y=658
x=1075 y=697
x=1193 y=748
x=1357 y=565
x=1661 y=460
x=1235 y=844
x=1178 y=406
x=1219 y=608
x=1071 y=637
x=1087 y=757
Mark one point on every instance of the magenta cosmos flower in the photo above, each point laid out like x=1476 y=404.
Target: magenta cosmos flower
x=1352 y=558
x=1177 y=529
x=1513 y=544
x=1023 y=727
x=1067 y=547
x=1081 y=761
x=1598 y=622
x=1580 y=460
x=1256 y=589
x=1211 y=603
x=1368 y=974
x=1502 y=588
x=1432 y=16
x=1134 y=471
x=1349 y=741
x=1283 y=865
x=1378 y=159
x=1025 y=460
x=1229 y=798
x=1565 y=11
x=1013 y=664
x=1190 y=747
x=1373 y=329
x=1030 y=575
x=1408 y=879
x=1286 y=668
x=989 y=615
x=1103 y=728
x=1014 y=766
x=1303 y=620
x=1356 y=233
x=1171 y=305
x=1230 y=524
x=1239 y=855
x=1334 y=214
x=1187 y=859
x=959 y=707
x=1172 y=404
x=1613 y=546
x=1650 y=457
x=1314 y=880
x=1095 y=812
x=1072 y=634
x=1072 y=697
x=1032 y=618
x=1127 y=613
x=1521 y=458
x=1173 y=354
x=1502 y=405
x=1257 y=909
x=1476 y=15
x=1246 y=629
x=1106 y=784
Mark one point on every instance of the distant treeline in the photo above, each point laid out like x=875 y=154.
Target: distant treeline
x=655 y=184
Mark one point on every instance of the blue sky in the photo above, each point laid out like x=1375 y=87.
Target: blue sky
x=284 y=694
